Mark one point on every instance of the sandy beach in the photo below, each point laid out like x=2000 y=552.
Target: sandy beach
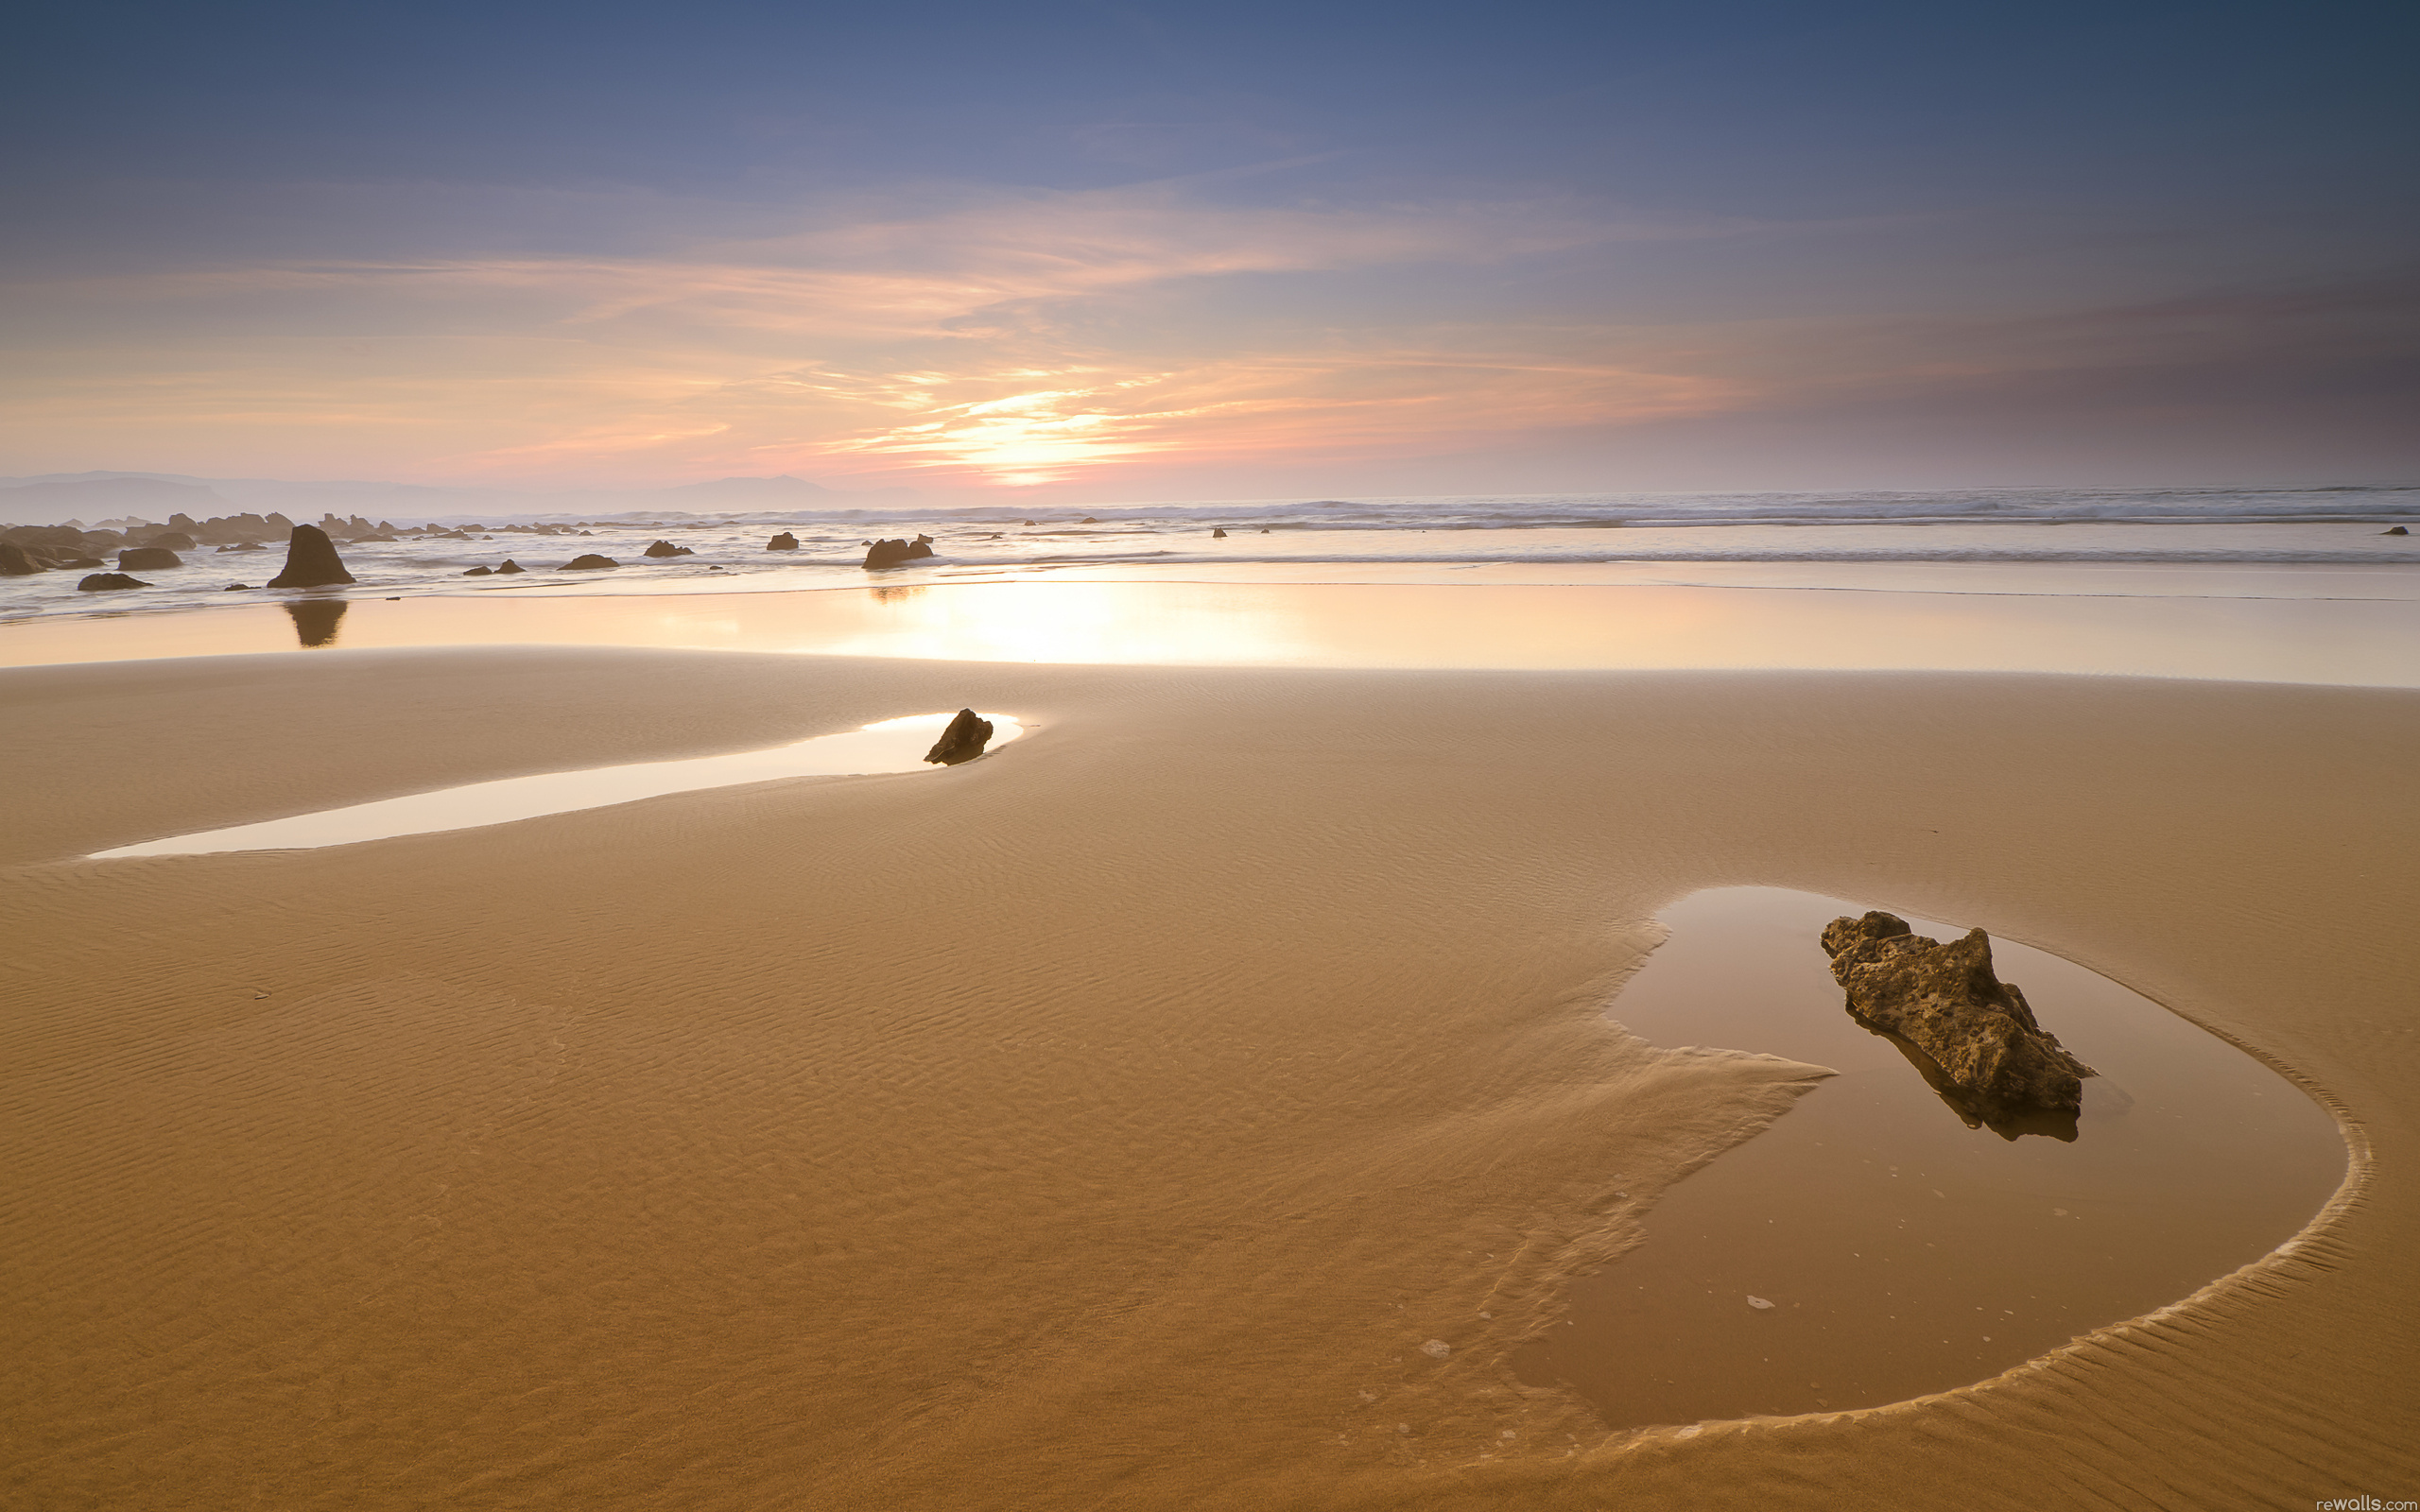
x=1122 y=1120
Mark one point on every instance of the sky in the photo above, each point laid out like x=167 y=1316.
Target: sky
x=1142 y=250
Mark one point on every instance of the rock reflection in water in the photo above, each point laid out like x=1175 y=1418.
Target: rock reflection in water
x=316 y=620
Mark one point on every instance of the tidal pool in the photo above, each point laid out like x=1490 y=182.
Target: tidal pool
x=891 y=746
x=1900 y=1250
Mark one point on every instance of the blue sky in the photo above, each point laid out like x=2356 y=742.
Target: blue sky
x=1121 y=250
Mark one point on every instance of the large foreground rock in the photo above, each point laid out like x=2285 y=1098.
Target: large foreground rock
x=148 y=560
x=1945 y=1000
x=15 y=563
x=311 y=561
x=963 y=741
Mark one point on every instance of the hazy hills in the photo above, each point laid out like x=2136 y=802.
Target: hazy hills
x=55 y=498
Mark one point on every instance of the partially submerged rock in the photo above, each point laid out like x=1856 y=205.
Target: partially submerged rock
x=508 y=567
x=15 y=563
x=478 y=572
x=172 y=540
x=148 y=560
x=1218 y=535
x=311 y=561
x=105 y=582
x=896 y=553
x=785 y=542
x=963 y=741
x=665 y=548
x=587 y=561
x=2397 y=530
x=1945 y=1002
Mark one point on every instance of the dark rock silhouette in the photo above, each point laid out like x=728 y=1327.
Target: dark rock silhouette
x=1264 y=531
x=896 y=553
x=314 y=619
x=1942 y=1001
x=15 y=563
x=238 y=588
x=1218 y=535
x=963 y=741
x=103 y=582
x=311 y=561
x=588 y=561
x=665 y=548
x=2398 y=530
x=478 y=572
x=148 y=560
x=785 y=542
x=1088 y=519
x=508 y=567
x=172 y=540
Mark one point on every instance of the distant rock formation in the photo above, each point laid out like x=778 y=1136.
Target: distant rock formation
x=1995 y=1060
x=665 y=548
x=172 y=540
x=785 y=542
x=2397 y=530
x=148 y=560
x=311 y=561
x=587 y=561
x=15 y=563
x=104 y=582
x=896 y=553
x=508 y=567
x=1218 y=535
x=963 y=741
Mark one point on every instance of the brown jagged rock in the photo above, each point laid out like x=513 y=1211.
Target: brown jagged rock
x=148 y=560
x=1218 y=535
x=15 y=563
x=896 y=553
x=478 y=572
x=785 y=542
x=104 y=582
x=508 y=567
x=2397 y=530
x=311 y=561
x=587 y=561
x=1943 y=1000
x=963 y=741
x=665 y=548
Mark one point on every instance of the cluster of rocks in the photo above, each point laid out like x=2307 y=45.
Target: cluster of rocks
x=1995 y=1063
x=897 y=553
x=506 y=569
x=665 y=548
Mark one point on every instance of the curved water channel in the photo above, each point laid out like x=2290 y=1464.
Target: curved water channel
x=1902 y=1251
x=887 y=746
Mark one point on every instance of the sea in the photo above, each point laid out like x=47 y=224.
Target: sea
x=2297 y=543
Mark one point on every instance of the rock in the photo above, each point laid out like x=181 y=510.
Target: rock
x=785 y=542
x=478 y=572
x=963 y=741
x=311 y=561
x=586 y=563
x=508 y=567
x=894 y=553
x=2397 y=530
x=1942 y=1000
x=1088 y=519
x=172 y=540
x=238 y=588
x=1264 y=531
x=1218 y=535
x=148 y=560
x=104 y=582
x=15 y=563
x=665 y=548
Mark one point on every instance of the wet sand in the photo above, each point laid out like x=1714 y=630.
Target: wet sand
x=1113 y=1122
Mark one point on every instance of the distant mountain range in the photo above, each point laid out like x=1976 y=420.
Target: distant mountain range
x=89 y=497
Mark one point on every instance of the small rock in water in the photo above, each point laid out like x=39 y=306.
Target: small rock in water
x=587 y=561
x=665 y=548
x=785 y=542
x=2397 y=530
x=1758 y=1303
x=478 y=572
x=508 y=567
x=238 y=588
x=104 y=582
x=963 y=741
x=1218 y=535
x=311 y=561
x=1436 y=1348
x=894 y=553
x=148 y=560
